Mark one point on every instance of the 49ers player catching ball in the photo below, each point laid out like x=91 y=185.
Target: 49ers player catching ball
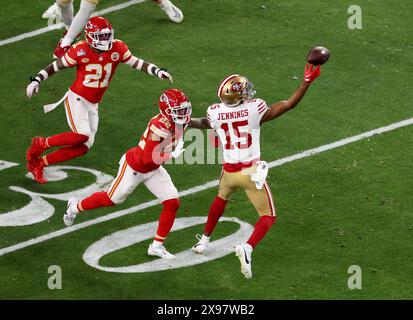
x=237 y=121
x=96 y=60
x=143 y=164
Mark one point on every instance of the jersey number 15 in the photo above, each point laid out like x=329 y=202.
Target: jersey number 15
x=237 y=132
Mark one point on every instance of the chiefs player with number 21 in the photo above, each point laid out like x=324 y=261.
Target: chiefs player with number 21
x=237 y=121
x=96 y=59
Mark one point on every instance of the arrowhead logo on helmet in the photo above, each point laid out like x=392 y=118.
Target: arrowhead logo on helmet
x=99 y=33
x=234 y=90
x=175 y=106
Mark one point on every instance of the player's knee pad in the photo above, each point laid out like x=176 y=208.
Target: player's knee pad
x=63 y=2
x=172 y=204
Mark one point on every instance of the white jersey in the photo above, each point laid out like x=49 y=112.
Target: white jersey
x=238 y=129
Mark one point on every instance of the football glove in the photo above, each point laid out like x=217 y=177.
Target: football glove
x=33 y=88
x=311 y=74
x=163 y=74
x=179 y=149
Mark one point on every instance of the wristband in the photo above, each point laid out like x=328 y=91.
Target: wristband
x=44 y=74
x=37 y=79
x=55 y=68
x=153 y=70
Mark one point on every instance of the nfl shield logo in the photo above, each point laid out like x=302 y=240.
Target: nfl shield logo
x=81 y=53
x=115 y=56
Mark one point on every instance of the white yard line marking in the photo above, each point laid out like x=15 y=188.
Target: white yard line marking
x=6 y=164
x=206 y=186
x=60 y=25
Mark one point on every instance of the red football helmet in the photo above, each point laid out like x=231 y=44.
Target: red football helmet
x=175 y=106
x=99 y=33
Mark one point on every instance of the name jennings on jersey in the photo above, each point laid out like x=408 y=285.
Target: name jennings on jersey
x=238 y=129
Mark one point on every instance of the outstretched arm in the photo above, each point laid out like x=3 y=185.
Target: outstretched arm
x=200 y=123
x=148 y=68
x=278 y=108
x=48 y=71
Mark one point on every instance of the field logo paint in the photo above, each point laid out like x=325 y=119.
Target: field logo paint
x=354 y=21
x=6 y=164
x=202 y=187
x=55 y=280
x=38 y=209
x=354 y=281
x=125 y=238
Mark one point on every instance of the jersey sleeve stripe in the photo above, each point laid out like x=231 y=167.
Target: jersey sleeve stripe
x=158 y=131
x=129 y=59
x=261 y=104
x=262 y=111
x=262 y=108
x=69 y=60
x=64 y=61
x=127 y=55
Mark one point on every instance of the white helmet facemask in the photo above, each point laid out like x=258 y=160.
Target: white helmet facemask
x=180 y=114
x=102 y=40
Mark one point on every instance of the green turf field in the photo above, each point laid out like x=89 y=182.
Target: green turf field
x=348 y=206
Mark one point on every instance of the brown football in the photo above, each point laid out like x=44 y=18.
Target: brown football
x=318 y=55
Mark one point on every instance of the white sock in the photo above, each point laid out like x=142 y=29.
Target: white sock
x=79 y=22
x=157 y=243
x=204 y=238
x=67 y=14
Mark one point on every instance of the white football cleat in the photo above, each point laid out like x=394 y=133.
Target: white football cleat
x=243 y=252
x=71 y=212
x=160 y=251
x=52 y=12
x=173 y=12
x=201 y=245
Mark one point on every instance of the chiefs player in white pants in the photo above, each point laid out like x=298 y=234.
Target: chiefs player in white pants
x=143 y=164
x=237 y=121
x=75 y=25
x=96 y=59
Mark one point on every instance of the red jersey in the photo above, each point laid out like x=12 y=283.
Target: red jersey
x=150 y=154
x=94 y=69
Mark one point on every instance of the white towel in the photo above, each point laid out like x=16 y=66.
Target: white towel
x=260 y=175
x=49 y=107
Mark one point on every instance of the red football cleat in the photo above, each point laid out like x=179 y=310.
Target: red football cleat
x=37 y=147
x=38 y=172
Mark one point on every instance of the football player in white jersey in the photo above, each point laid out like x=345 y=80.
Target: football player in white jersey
x=75 y=25
x=237 y=121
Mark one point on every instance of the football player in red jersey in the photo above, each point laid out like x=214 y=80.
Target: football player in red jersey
x=237 y=121
x=143 y=163
x=75 y=25
x=96 y=60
